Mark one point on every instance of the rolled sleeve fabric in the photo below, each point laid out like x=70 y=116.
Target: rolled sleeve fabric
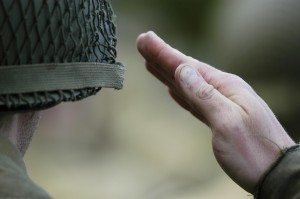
x=283 y=179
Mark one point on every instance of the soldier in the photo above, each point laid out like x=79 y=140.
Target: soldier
x=55 y=51
x=50 y=52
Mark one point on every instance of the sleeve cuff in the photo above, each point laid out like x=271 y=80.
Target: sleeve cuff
x=283 y=179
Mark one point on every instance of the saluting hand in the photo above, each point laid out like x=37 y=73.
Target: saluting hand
x=247 y=138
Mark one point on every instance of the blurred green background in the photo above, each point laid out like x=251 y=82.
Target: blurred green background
x=137 y=143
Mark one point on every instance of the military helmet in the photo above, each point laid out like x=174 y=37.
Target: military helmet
x=54 y=51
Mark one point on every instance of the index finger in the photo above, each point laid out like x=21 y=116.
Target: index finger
x=157 y=52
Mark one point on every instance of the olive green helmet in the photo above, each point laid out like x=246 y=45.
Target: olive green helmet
x=53 y=51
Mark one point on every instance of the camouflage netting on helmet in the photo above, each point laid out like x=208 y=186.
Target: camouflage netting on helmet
x=37 y=32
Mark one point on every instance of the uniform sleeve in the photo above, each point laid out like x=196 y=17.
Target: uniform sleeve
x=14 y=180
x=283 y=180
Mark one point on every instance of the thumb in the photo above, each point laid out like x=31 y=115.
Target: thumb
x=202 y=97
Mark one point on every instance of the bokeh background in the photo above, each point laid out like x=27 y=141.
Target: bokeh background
x=137 y=143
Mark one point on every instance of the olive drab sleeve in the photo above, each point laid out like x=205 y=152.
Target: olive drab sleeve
x=283 y=180
x=14 y=180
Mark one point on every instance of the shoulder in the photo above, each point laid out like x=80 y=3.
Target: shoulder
x=14 y=180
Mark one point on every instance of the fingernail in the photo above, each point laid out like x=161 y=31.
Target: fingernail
x=188 y=75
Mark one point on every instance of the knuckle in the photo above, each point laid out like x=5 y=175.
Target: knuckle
x=238 y=79
x=205 y=92
x=235 y=78
x=159 y=53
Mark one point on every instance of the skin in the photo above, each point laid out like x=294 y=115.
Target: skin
x=246 y=136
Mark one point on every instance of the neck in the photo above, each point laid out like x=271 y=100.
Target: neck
x=19 y=128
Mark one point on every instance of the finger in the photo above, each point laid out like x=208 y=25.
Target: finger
x=202 y=97
x=173 y=93
x=165 y=58
x=155 y=50
x=160 y=76
x=179 y=99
